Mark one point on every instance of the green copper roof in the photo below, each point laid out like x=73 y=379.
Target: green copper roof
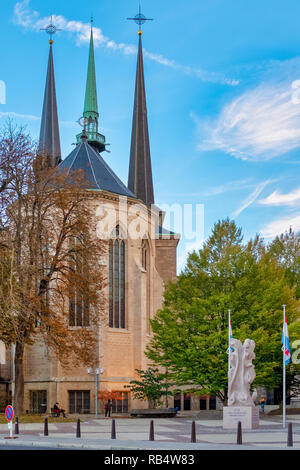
x=90 y=102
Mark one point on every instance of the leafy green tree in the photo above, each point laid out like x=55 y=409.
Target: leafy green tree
x=286 y=249
x=151 y=386
x=190 y=332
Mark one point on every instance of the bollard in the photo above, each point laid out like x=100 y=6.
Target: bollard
x=46 y=427
x=17 y=425
x=113 y=429
x=151 y=434
x=193 y=436
x=239 y=434
x=290 y=435
x=78 y=433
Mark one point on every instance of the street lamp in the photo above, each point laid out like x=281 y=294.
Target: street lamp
x=96 y=373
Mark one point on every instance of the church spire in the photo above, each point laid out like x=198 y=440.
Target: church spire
x=140 y=171
x=49 y=142
x=90 y=112
x=90 y=101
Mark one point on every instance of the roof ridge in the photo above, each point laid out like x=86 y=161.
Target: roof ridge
x=91 y=166
x=112 y=173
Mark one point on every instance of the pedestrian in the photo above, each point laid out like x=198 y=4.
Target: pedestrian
x=108 y=407
x=262 y=404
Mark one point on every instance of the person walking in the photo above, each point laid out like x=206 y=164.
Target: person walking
x=108 y=407
x=262 y=404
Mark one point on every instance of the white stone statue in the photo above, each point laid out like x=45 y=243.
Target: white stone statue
x=241 y=373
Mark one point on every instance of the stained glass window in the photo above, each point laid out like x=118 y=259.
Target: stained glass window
x=117 y=281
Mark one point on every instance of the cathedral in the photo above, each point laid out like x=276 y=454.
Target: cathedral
x=137 y=268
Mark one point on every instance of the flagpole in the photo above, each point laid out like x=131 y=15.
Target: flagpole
x=284 y=385
x=229 y=345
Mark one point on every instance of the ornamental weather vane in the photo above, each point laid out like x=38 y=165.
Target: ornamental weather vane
x=50 y=29
x=140 y=19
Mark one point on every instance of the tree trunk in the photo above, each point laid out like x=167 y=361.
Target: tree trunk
x=19 y=379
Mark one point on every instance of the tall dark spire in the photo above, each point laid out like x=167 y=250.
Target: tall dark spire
x=49 y=143
x=140 y=171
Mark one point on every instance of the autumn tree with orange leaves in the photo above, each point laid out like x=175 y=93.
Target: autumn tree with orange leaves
x=50 y=270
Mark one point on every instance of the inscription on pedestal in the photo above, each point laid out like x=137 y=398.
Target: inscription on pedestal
x=248 y=415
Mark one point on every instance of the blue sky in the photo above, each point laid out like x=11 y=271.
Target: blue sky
x=223 y=95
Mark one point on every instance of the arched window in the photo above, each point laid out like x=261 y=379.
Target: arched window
x=78 y=300
x=116 y=281
x=144 y=254
x=146 y=266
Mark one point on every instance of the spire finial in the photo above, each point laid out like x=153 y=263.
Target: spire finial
x=140 y=19
x=50 y=29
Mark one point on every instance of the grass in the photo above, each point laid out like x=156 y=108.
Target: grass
x=35 y=418
x=289 y=411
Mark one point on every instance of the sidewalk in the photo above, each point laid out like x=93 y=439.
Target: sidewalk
x=169 y=434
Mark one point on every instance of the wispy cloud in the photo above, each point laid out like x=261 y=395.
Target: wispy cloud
x=281 y=225
x=12 y=114
x=260 y=124
x=30 y=19
x=250 y=199
x=236 y=185
x=278 y=199
x=29 y=117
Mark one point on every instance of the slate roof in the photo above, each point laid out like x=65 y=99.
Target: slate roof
x=99 y=175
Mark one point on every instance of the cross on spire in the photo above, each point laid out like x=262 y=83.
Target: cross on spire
x=140 y=19
x=51 y=29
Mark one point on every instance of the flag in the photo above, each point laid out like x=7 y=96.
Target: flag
x=285 y=342
x=230 y=337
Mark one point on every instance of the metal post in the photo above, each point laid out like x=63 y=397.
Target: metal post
x=193 y=436
x=17 y=425
x=151 y=434
x=239 y=439
x=284 y=384
x=229 y=345
x=78 y=432
x=96 y=394
x=96 y=373
x=46 y=427
x=167 y=401
x=113 y=429
x=290 y=435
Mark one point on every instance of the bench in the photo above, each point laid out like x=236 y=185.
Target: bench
x=154 y=413
x=54 y=414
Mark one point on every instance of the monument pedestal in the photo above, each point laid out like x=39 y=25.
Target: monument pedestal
x=247 y=415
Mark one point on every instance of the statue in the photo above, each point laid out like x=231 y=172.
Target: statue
x=241 y=373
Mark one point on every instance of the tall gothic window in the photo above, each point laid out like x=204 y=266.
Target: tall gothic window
x=78 y=301
x=146 y=265
x=116 y=281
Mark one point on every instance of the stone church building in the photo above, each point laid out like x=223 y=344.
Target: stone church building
x=136 y=268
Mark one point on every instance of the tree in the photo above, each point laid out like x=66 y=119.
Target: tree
x=190 y=332
x=286 y=249
x=151 y=386
x=49 y=260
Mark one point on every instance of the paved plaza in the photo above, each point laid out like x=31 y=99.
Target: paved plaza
x=169 y=434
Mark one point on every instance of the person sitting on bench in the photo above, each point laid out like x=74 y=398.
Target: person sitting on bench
x=58 y=410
